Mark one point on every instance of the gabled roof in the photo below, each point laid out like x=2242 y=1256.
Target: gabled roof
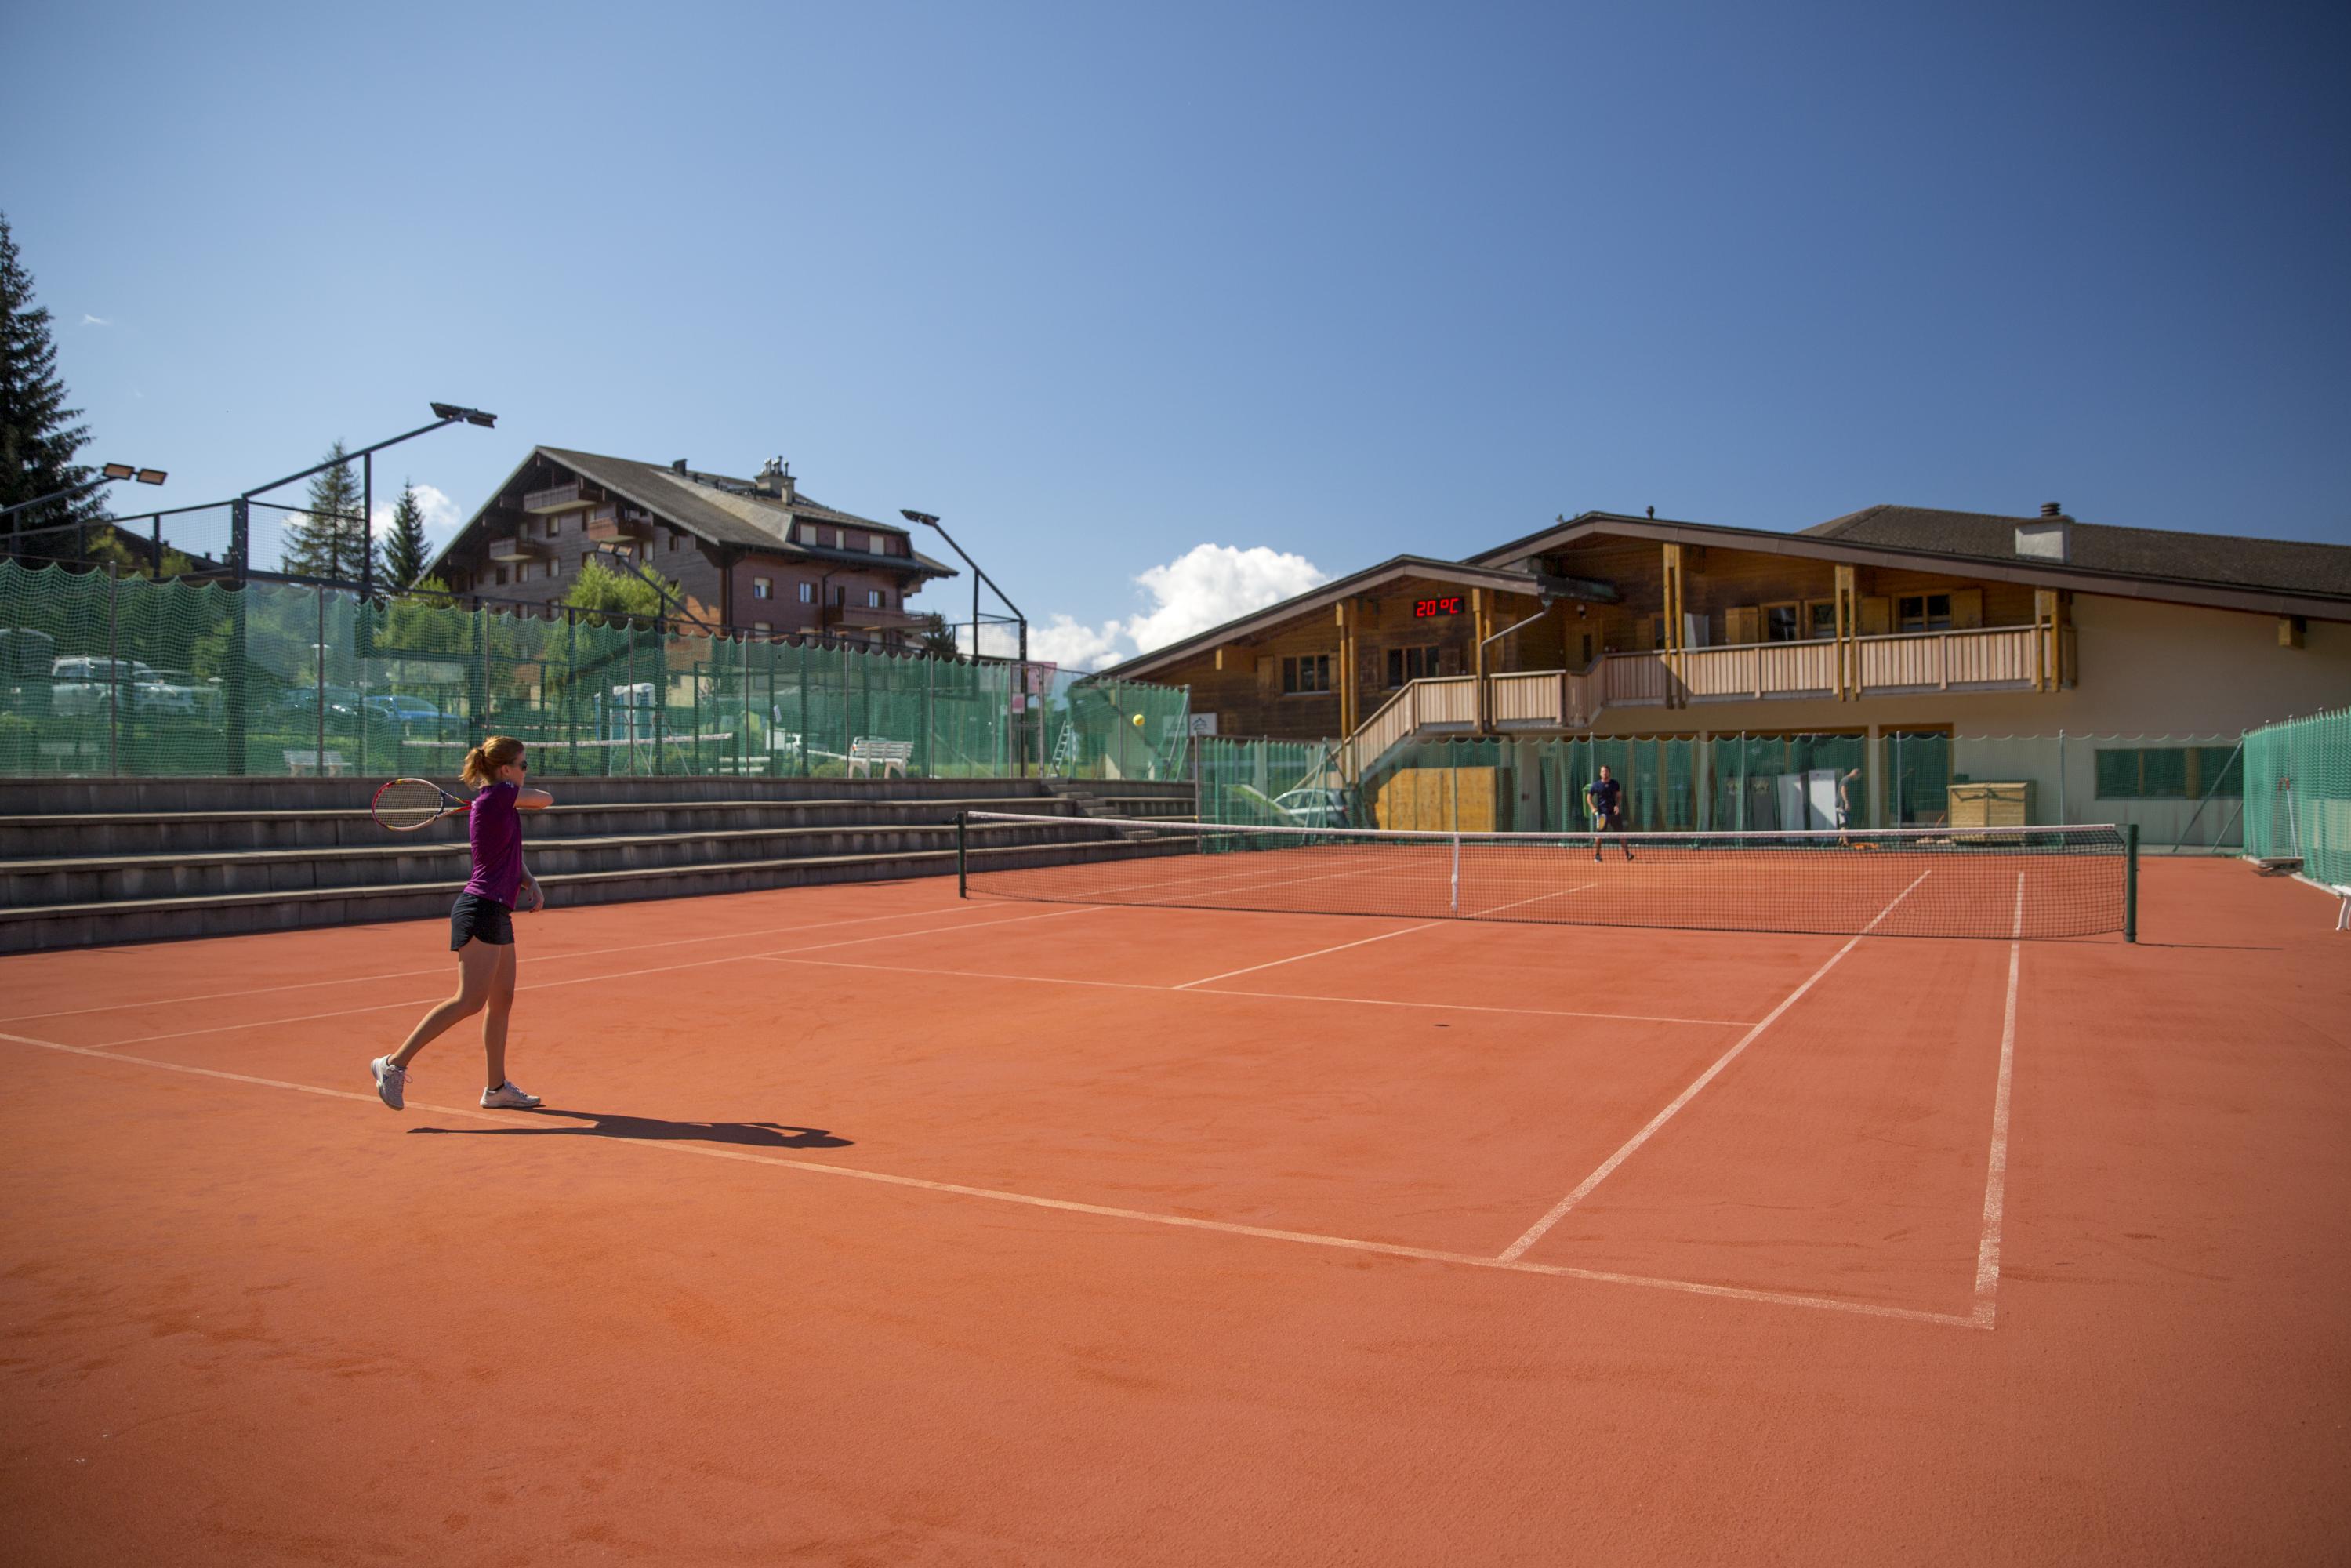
x=2287 y=566
x=1394 y=568
x=711 y=506
x=2272 y=577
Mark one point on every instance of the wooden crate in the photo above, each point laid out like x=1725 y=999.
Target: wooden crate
x=1975 y=805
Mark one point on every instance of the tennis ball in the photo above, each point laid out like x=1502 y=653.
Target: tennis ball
x=1138 y=721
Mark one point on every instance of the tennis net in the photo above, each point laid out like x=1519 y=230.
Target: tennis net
x=1940 y=882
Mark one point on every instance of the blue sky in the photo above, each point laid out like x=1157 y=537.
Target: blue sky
x=1103 y=285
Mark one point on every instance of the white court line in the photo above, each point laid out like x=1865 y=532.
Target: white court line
x=1538 y=898
x=1067 y=1206
x=1301 y=957
x=1558 y=1210
x=587 y=979
x=443 y=968
x=1270 y=996
x=1996 y=1165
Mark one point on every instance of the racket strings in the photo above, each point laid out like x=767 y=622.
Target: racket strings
x=406 y=803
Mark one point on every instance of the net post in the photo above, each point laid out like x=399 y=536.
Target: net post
x=963 y=834
x=2130 y=882
x=1456 y=893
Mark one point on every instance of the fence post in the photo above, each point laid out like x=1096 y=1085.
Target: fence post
x=319 y=656
x=113 y=676
x=962 y=832
x=661 y=690
x=240 y=543
x=801 y=650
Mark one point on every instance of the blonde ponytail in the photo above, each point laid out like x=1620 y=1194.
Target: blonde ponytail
x=483 y=762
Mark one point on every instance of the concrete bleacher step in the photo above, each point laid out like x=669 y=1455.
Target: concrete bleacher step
x=125 y=859
x=125 y=834
x=218 y=915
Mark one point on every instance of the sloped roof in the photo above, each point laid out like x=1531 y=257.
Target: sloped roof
x=715 y=507
x=2284 y=566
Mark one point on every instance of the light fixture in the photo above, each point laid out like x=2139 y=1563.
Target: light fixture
x=117 y=470
x=150 y=476
x=470 y=416
x=913 y=515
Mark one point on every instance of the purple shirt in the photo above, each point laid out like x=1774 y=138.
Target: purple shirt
x=495 y=829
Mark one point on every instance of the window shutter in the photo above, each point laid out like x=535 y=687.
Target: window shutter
x=1268 y=677
x=1967 y=609
x=1744 y=624
x=1877 y=616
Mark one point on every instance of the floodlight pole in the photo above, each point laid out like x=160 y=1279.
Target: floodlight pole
x=113 y=473
x=448 y=414
x=979 y=576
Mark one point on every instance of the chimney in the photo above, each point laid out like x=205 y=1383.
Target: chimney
x=775 y=480
x=678 y=466
x=2049 y=536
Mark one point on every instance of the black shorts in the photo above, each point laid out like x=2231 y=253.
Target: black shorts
x=476 y=918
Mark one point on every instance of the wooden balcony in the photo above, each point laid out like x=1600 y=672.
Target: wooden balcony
x=559 y=498
x=514 y=546
x=864 y=618
x=610 y=521
x=1993 y=659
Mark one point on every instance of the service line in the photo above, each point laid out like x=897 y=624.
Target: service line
x=1996 y=1164
x=1534 y=1232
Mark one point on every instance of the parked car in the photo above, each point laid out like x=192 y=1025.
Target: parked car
x=343 y=702
x=1313 y=808
x=205 y=694
x=80 y=686
x=27 y=657
x=409 y=713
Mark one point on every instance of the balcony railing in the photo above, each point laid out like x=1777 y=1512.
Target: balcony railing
x=611 y=521
x=513 y=547
x=1998 y=658
x=558 y=497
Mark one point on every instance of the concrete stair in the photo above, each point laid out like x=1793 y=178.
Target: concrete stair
x=97 y=861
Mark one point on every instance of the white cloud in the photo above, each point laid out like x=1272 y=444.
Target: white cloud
x=1207 y=586
x=441 y=517
x=90 y=321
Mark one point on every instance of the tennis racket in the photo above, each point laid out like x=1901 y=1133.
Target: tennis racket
x=404 y=805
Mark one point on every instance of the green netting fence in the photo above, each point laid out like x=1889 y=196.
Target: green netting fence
x=2298 y=795
x=1269 y=783
x=2186 y=793
x=111 y=676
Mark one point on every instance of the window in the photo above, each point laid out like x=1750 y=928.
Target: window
x=761 y=627
x=1923 y=612
x=762 y=588
x=836 y=539
x=840 y=596
x=808 y=593
x=502 y=577
x=1779 y=624
x=1408 y=664
x=1822 y=614
x=873 y=598
x=675 y=539
x=1306 y=674
x=585 y=557
x=2169 y=772
x=522 y=573
x=554 y=525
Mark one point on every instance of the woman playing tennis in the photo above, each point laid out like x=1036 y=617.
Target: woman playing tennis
x=481 y=925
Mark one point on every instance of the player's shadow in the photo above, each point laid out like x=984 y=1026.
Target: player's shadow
x=607 y=1125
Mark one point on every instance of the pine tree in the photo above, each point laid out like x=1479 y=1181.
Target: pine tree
x=938 y=639
x=329 y=538
x=38 y=437
x=405 y=551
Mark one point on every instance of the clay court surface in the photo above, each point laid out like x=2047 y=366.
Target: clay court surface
x=867 y=1225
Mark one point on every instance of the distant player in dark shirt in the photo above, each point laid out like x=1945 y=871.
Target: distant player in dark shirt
x=1606 y=797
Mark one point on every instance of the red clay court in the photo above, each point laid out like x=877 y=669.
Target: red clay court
x=867 y=1225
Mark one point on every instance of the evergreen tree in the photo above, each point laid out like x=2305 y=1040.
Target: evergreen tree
x=405 y=551
x=938 y=639
x=618 y=594
x=38 y=437
x=329 y=538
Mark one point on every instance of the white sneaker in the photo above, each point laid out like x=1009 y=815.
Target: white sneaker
x=391 y=1083
x=506 y=1097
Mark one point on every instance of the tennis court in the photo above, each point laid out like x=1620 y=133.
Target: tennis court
x=868 y=1224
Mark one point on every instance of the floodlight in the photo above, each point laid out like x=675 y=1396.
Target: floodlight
x=915 y=516
x=150 y=476
x=117 y=470
x=470 y=416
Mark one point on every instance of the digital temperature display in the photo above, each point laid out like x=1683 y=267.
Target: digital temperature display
x=1422 y=609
